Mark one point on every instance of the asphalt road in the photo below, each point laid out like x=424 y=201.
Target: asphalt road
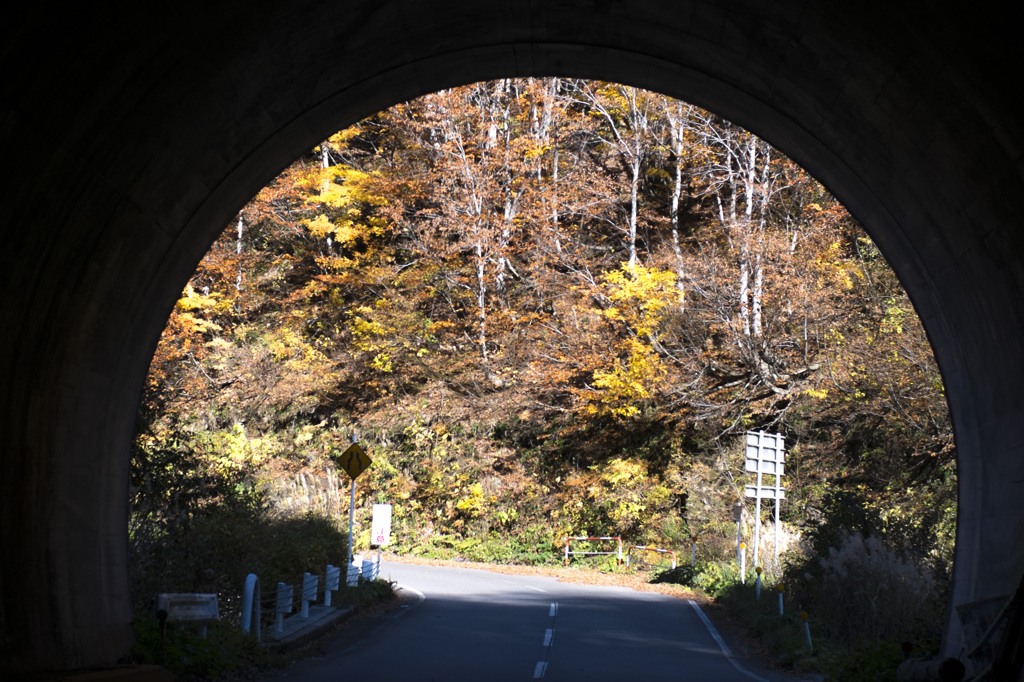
x=460 y=624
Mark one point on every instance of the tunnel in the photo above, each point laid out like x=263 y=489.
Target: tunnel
x=131 y=138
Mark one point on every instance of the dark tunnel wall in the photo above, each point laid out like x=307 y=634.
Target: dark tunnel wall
x=129 y=140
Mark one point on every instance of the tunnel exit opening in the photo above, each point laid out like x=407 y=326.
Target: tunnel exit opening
x=917 y=141
x=552 y=307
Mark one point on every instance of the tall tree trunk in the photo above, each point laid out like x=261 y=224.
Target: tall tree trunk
x=632 y=211
x=630 y=142
x=676 y=122
x=755 y=304
x=325 y=163
x=744 y=297
x=238 y=251
x=481 y=299
x=762 y=223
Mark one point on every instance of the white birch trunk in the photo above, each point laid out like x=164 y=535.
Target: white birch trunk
x=325 y=163
x=755 y=304
x=632 y=211
x=481 y=299
x=238 y=251
x=744 y=297
x=676 y=124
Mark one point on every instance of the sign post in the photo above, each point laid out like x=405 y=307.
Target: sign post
x=765 y=454
x=354 y=461
x=737 y=516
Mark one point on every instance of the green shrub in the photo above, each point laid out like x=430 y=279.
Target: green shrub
x=872 y=661
x=182 y=651
x=713 y=578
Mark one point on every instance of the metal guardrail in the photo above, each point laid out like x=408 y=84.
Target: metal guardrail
x=284 y=599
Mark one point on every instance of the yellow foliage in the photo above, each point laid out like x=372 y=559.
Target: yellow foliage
x=534 y=152
x=833 y=269
x=287 y=345
x=642 y=296
x=892 y=321
x=381 y=362
x=619 y=471
x=472 y=504
x=212 y=304
x=367 y=331
x=234 y=450
x=630 y=382
x=192 y=324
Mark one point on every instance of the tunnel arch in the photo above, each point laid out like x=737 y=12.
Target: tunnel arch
x=140 y=137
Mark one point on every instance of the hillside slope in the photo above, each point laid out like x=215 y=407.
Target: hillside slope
x=551 y=307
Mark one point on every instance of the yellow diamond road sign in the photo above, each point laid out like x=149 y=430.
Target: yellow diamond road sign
x=354 y=460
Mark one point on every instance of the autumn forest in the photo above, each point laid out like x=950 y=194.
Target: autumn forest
x=548 y=307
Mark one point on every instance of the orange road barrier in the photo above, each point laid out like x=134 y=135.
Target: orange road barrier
x=629 y=553
x=604 y=538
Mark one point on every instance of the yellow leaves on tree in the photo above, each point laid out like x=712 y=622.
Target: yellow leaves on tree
x=195 y=310
x=371 y=336
x=642 y=296
x=629 y=383
x=287 y=346
x=185 y=338
x=349 y=197
x=834 y=269
x=613 y=497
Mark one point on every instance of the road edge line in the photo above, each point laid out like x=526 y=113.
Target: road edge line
x=420 y=597
x=721 y=643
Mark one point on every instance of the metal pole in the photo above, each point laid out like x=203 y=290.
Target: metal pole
x=757 y=512
x=779 y=458
x=351 y=512
x=739 y=536
x=743 y=563
x=351 y=520
x=777 y=520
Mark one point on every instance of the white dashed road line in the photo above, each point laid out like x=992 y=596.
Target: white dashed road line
x=549 y=639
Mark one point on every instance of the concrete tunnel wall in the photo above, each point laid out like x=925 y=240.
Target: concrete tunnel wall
x=130 y=140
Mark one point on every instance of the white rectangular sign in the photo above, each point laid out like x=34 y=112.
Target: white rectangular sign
x=380 y=534
x=767 y=467
x=188 y=607
x=772 y=447
x=767 y=493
